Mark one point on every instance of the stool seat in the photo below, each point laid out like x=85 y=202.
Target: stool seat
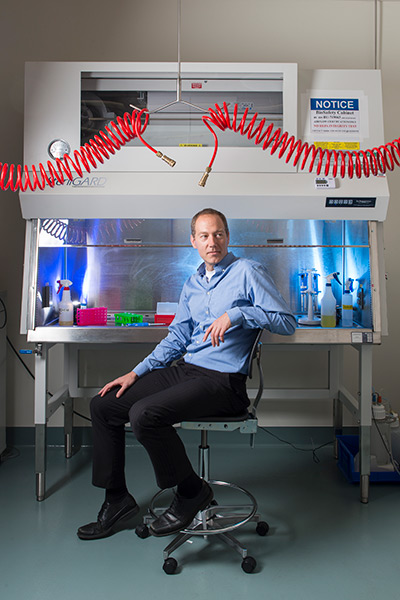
x=246 y=422
x=242 y=417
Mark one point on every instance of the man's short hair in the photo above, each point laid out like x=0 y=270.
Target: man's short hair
x=209 y=211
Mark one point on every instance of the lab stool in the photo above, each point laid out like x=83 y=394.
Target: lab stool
x=218 y=520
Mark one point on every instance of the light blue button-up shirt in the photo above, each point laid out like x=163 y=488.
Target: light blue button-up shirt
x=244 y=290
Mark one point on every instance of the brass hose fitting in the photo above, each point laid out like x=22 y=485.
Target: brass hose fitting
x=204 y=178
x=170 y=161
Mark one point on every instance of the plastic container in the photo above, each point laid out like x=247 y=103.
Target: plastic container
x=347 y=305
x=395 y=437
x=381 y=443
x=328 y=308
x=166 y=319
x=65 y=306
x=167 y=308
x=165 y=312
x=348 y=446
x=91 y=316
x=127 y=318
x=47 y=296
x=328 y=302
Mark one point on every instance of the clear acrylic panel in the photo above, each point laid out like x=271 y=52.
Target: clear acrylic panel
x=131 y=264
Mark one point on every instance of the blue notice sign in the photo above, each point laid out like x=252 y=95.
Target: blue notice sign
x=335 y=115
x=334 y=104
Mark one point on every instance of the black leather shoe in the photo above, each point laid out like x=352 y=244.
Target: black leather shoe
x=111 y=518
x=181 y=512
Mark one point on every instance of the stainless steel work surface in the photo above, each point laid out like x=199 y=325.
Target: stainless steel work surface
x=135 y=335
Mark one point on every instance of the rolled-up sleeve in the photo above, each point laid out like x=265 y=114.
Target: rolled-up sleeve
x=263 y=306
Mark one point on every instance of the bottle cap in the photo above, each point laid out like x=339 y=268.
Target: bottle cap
x=378 y=412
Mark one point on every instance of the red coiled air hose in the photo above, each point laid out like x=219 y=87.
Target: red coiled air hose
x=376 y=160
x=93 y=152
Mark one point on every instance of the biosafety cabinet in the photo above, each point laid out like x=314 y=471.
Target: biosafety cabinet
x=130 y=265
x=121 y=231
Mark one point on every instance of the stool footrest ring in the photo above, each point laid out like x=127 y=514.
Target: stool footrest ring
x=216 y=518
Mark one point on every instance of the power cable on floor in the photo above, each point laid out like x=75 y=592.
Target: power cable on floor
x=9 y=453
x=316 y=459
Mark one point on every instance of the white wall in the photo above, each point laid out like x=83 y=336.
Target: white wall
x=312 y=33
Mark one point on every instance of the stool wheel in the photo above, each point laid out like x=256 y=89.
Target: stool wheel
x=142 y=531
x=262 y=528
x=170 y=565
x=249 y=564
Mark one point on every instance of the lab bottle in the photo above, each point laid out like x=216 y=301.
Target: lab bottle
x=347 y=304
x=46 y=296
x=328 y=303
x=381 y=443
x=395 y=436
x=65 y=307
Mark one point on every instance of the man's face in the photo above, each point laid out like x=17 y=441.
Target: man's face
x=210 y=240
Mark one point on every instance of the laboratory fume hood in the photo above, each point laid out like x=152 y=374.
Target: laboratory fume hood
x=120 y=232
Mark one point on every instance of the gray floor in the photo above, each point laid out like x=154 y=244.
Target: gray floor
x=323 y=542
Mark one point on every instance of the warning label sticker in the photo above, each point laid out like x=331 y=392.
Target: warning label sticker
x=335 y=115
x=338 y=145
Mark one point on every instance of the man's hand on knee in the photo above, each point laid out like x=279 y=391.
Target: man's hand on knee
x=124 y=382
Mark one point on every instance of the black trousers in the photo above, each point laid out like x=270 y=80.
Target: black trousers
x=153 y=404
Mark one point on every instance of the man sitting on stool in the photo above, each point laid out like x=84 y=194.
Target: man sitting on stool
x=221 y=307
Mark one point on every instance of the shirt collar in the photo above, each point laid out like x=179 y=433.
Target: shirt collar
x=219 y=267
